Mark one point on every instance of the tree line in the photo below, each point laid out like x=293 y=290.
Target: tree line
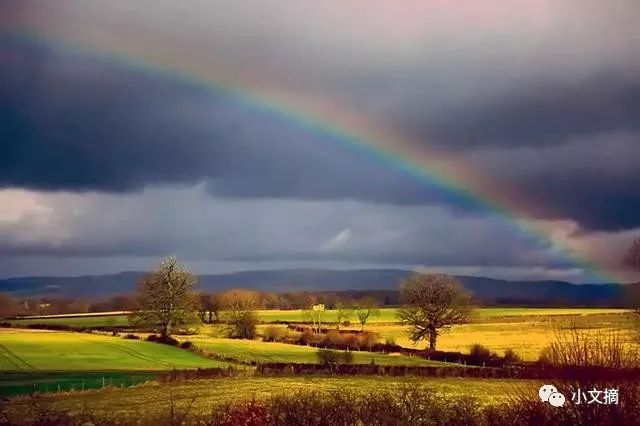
x=208 y=302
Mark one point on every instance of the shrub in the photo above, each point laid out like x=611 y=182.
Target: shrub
x=273 y=333
x=406 y=405
x=243 y=325
x=130 y=336
x=511 y=357
x=334 y=358
x=327 y=357
x=335 y=339
x=351 y=341
x=186 y=345
x=479 y=353
x=165 y=340
x=308 y=337
x=577 y=348
x=368 y=339
x=346 y=323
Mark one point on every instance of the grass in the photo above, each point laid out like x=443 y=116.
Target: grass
x=78 y=321
x=63 y=351
x=204 y=394
x=525 y=330
x=389 y=315
x=24 y=383
x=258 y=351
x=527 y=337
x=386 y=315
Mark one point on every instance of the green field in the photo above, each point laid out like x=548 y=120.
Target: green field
x=525 y=330
x=205 y=394
x=78 y=321
x=62 y=351
x=258 y=351
x=24 y=383
x=386 y=315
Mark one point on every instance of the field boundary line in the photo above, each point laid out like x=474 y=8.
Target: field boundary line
x=8 y=354
x=139 y=355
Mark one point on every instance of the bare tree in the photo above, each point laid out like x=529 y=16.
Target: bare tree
x=209 y=307
x=366 y=308
x=344 y=311
x=239 y=306
x=315 y=315
x=8 y=306
x=430 y=303
x=166 y=298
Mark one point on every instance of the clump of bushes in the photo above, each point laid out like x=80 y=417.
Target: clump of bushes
x=479 y=354
x=406 y=405
x=242 y=325
x=368 y=339
x=511 y=357
x=186 y=345
x=165 y=340
x=334 y=358
x=309 y=338
x=273 y=333
x=579 y=348
x=130 y=336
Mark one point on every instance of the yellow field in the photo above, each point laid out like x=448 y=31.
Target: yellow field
x=205 y=394
x=525 y=330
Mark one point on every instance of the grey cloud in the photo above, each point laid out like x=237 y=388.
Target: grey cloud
x=198 y=227
x=475 y=80
x=95 y=126
x=593 y=179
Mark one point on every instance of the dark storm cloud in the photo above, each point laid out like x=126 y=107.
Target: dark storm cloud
x=539 y=114
x=197 y=226
x=594 y=179
x=79 y=123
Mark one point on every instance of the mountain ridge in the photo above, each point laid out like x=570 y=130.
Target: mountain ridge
x=490 y=290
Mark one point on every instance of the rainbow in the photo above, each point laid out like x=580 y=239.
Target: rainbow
x=423 y=163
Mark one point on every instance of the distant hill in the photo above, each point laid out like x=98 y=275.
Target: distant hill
x=383 y=281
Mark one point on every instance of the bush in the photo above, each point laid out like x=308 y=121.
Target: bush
x=368 y=339
x=186 y=345
x=511 y=357
x=130 y=336
x=334 y=358
x=243 y=325
x=327 y=357
x=406 y=405
x=578 y=348
x=273 y=333
x=335 y=338
x=479 y=354
x=351 y=341
x=165 y=340
x=308 y=337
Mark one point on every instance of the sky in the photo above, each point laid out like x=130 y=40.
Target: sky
x=133 y=130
